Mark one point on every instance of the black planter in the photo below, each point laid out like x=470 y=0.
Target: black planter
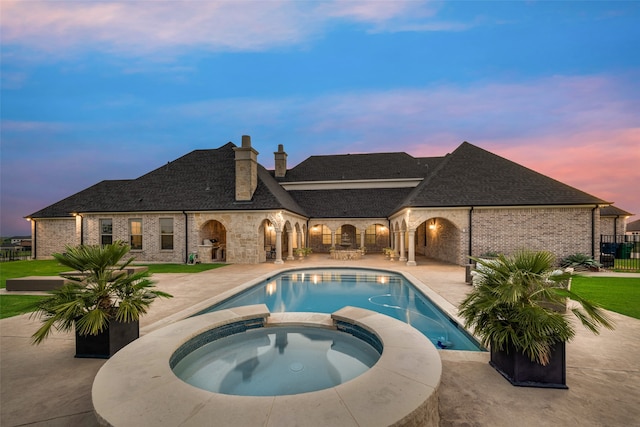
x=108 y=342
x=521 y=371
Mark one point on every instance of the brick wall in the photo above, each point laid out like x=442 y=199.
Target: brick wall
x=53 y=236
x=563 y=231
x=611 y=225
x=151 y=251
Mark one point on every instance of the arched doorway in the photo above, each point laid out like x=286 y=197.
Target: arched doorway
x=439 y=238
x=268 y=233
x=213 y=236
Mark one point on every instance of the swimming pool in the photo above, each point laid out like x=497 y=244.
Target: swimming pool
x=329 y=289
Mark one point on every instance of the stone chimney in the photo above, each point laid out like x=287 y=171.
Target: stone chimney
x=246 y=170
x=281 y=162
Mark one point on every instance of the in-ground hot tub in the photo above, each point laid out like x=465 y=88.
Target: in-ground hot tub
x=137 y=386
x=275 y=361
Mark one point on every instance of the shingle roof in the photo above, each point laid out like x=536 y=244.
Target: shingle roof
x=613 y=211
x=361 y=203
x=634 y=225
x=360 y=166
x=204 y=180
x=94 y=198
x=471 y=176
x=200 y=180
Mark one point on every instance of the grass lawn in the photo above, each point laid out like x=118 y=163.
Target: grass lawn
x=12 y=305
x=619 y=294
x=13 y=269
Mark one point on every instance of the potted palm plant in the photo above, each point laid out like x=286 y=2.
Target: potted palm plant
x=517 y=308
x=102 y=301
x=303 y=252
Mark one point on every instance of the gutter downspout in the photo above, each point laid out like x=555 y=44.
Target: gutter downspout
x=34 y=243
x=471 y=232
x=593 y=231
x=186 y=237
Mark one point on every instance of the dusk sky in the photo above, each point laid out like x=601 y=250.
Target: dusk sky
x=95 y=90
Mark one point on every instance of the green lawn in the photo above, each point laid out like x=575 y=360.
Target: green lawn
x=13 y=269
x=12 y=305
x=619 y=294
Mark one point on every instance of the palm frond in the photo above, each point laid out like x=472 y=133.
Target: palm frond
x=514 y=304
x=99 y=290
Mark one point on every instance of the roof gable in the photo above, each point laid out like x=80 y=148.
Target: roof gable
x=471 y=176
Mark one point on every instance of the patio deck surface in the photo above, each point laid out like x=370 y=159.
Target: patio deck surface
x=46 y=386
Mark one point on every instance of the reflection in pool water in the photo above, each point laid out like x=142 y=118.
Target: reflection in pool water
x=327 y=290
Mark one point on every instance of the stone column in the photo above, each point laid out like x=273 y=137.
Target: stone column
x=396 y=239
x=333 y=238
x=412 y=247
x=362 y=234
x=299 y=240
x=290 y=245
x=278 y=247
x=402 y=256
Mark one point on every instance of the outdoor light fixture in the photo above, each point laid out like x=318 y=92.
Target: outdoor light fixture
x=432 y=226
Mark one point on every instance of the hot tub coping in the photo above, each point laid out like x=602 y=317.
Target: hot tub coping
x=137 y=386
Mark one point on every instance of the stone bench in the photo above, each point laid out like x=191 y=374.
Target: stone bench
x=35 y=283
x=132 y=269
x=48 y=283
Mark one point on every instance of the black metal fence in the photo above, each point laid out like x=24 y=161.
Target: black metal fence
x=620 y=252
x=14 y=255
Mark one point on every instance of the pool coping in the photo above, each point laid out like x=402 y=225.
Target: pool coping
x=137 y=386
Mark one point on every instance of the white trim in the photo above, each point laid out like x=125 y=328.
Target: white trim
x=476 y=208
x=352 y=184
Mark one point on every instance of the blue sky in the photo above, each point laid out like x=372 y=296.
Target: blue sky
x=111 y=90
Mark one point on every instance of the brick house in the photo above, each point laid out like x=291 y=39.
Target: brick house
x=613 y=220
x=224 y=206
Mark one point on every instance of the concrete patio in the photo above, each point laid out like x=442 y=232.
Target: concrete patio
x=47 y=386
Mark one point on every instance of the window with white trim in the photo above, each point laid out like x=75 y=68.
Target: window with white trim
x=135 y=234
x=166 y=233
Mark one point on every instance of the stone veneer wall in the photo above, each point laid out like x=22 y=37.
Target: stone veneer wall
x=563 y=231
x=245 y=238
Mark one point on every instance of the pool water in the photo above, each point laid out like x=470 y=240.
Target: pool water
x=328 y=290
x=277 y=361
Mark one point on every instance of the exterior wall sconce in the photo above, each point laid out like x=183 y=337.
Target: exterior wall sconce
x=432 y=226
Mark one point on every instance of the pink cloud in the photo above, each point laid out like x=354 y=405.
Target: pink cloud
x=140 y=27
x=600 y=162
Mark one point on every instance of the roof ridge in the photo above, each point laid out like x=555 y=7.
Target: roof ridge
x=407 y=201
